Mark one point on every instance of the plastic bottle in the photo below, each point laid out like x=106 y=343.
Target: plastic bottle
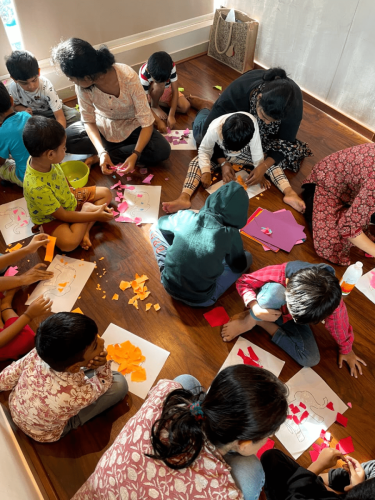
x=350 y=278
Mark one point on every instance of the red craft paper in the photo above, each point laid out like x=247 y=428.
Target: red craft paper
x=131 y=188
x=294 y=409
x=341 y=419
x=302 y=405
x=317 y=447
x=304 y=415
x=345 y=445
x=314 y=455
x=248 y=360
x=115 y=185
x=330 y=406
x=322 y=433
x=268 y=446
x=296 y=421
x=217 y=316
x=289 y=417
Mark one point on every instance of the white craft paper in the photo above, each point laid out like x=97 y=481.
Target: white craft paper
x=251 y=190
x=155 y=358
x=364 y=285
x=15 y=222
x=191 y=144
x=266 y=359
x=73 y=272
x=307 y=387
x=146 y=206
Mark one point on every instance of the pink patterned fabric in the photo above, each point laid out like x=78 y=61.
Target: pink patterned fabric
x=344 y=200
x=337 y=324
x=43 y=400
x=124 y=472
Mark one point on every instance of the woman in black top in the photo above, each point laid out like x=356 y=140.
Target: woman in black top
x=276 y=101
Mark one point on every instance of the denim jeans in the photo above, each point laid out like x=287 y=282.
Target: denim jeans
x=198 y=125
x=296 y=340
x=160 y=247
x=247 y=472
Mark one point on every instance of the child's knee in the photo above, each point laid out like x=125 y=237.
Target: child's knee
x=105 y=194
x=184 y=105
x=310 y=360
x=119 y=386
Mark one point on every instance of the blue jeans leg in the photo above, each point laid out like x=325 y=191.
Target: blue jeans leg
x=270 y=296
x=247 y=473
x=189 y=383
x=159 y=246
x=298 y=341
x=198 y=125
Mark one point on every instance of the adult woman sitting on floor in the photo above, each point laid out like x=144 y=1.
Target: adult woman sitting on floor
x=117 y=122
x=185 y=445
x=340 y=200
x=276 y=101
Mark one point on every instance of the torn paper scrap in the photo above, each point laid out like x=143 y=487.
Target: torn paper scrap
x=16 y=247
x=50 y=248
x=147 y=179
x=217 y=316
x=345 y=445
x=115 y=296
x=157 y=307
x=341 y=419
x=11 y=271
x=77 y=310
x=268 y=446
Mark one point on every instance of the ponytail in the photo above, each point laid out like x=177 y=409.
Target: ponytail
x=274 y=74
x=243 y=403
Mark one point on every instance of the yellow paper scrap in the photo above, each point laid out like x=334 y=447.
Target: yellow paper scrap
x=181 y=89
x=218 y=87
x=77 y=310
x=115 y=296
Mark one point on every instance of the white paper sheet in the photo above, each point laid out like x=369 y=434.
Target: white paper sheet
x=251 y=190
x=15 y=222
x=155 y=357
x=266 y=359
x=366 y=285
x=308 y=388
x=191 y=144
x=70 y=276
x=143 y=201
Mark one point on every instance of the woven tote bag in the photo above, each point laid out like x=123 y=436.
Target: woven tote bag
x=233 y=44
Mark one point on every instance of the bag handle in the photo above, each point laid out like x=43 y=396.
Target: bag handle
x=229 y=37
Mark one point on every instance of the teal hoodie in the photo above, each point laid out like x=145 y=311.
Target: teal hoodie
x=202 y=242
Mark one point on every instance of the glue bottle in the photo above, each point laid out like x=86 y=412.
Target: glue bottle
x=350 y=278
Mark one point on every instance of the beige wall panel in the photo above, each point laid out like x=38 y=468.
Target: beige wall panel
x=5 y=49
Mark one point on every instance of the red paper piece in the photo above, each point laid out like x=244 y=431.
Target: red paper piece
x=330 y=406
x=304 y=415
x=314 y=455
x=11 y=271
x=294 y=409
x=217 y=316
x=322 y=433
x=289 y=417
x=324 y=445
x=115 y=213
x=302 y=405
x=345 y=445
x=341 y=419
x=296 y=421
x=268 y=446
x=317 y=447
x=248 y=360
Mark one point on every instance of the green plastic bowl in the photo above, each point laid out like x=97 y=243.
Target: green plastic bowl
x=76 y=172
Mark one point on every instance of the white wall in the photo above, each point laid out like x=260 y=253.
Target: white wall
x=326 y=46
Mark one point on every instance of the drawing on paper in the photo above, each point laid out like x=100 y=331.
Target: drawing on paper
x=62 y=281
x=138 y=205
x=18 y=218
x=15 y=221
x=366 y=285
x=143 y=202
x=306 y=406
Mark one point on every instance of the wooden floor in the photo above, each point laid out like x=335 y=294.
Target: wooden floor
x=195 y=347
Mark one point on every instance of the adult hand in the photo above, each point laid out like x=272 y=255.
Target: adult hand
x=353 y=361
x=206 y=180
x=171 y=121
x=357 y=474
x=228 y=173
x=40 y=306
x=257 y=177
x=36 y=273
x=328 y=458
x=98 y=360
x=129 y=163
x=265 y=314
x=106 y=164
x=38 y=241
x=104 y=213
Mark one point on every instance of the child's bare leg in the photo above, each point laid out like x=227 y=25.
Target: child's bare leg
x=68 y=237
x=155 y=92
x=102 y=195
x=198 y=103
x=7 y=310
x=183 y=105
x=91 y=160
x=240 y=323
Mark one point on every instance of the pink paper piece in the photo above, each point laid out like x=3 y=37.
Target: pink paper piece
x=123 y=207
x=294 y=409
x=124 y=219
x=330 y=406
x=169 y=139
x=368 y=255
x=121 y=174
x=143 y=170
x=372 y=280
x=324 y=445
x=350 y=405
x=175 y=143
x=289 y=417
x=117 y=198
x=15 y=211
x=168 y=130
x=131 y=188
x=128 y=179
x=268 y=446
x=139 y=195
x=314 y=455
x=266 y=230
x=138 y=221
x=341 y=419
x=115 y=185
x=322 y=433
x=317 y=447
x=18 y=217
x=147 y=180
x=302 y=405
x=182 y=141
x=11 y=271
x=345 y=445
x=115 y=213
x=186 y=131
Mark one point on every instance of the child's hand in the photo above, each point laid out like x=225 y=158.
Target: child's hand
x=40 y=306
x=228 y=173
x=35 y=274
x=38 y=241
x=328 y=458
x=104 y=213
x=353 y=361
x=206 y=180
x=265 y=314
x=357 y=474
x=98 y=361
x=129 y=163
x=171 y=121
x=105 y=164
x=29 y=110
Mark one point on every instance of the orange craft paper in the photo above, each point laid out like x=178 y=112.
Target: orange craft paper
x=50 y=248
x=124 y=285
x=115 y=297
x=241 y=182
x=77 y=310
x=16 y=247
x=148 y=306
x=156 y=307
x=129 y=357
x=138 y=375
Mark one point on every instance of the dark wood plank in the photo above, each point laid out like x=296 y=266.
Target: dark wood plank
x=195 y=347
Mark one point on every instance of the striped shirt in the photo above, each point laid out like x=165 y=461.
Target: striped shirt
x=146 y=78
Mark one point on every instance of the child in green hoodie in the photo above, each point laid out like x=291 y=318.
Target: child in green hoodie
x=200 y=255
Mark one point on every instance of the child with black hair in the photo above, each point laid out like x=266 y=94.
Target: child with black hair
x=230 y=139
x=51 y=394
x=159 y=79
x=11 y=143
x=284 y=299
x=186 y=445
x=33 y=93
x=65 y=213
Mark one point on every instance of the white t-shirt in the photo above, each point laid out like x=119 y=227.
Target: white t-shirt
x=43 y=98
x=214 y=136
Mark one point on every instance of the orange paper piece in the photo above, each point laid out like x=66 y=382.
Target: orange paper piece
x=241 y=182
x=132 y=300
x=124 y=285
x=129 y=357
x=63 y=284
x=156 y=307
x=148 y=306
x=138 y=375
x=16 y=247
x=101 y=258
x=104 y=296
x=115 y=297
x=50 y=248
x=135 y=304
x=77 y=310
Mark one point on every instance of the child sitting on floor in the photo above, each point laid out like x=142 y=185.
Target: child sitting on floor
x=284 y=299
x=16 y=337
x=63 y=212
x=34 y=93
x=51 y=394
x=159 y=79
x=201 y=255
x=11 y=143
x=231 y=138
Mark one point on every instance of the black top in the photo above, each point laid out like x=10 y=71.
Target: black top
x=305 y=485
x=236 y=98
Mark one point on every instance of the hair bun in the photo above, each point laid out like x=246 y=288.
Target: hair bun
x=274 y=74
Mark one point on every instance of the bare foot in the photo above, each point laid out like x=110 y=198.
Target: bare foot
x=86 y=242
x=92 y=160
x=160 y=113
x=291 y=198
x=240 y=323
x=8 y=298
x=182 y=203
x=198 y=103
